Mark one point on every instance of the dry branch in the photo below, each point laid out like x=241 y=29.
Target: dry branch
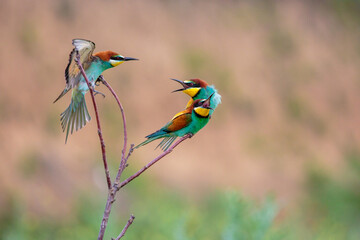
x=102 y=143
x=129 y=222
x=113 y=189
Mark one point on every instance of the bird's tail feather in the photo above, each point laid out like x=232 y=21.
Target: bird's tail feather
x=166 y=143
x=61 y=94
x=74 y=117
x=151 y=137
x=147 y=141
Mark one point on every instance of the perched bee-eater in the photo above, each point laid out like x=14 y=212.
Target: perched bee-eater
x=199 y=89
x=76 y=115
x=189 y=121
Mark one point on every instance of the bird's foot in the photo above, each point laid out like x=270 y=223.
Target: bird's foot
x=97 y=92
x=190 y=135
x=100 y=79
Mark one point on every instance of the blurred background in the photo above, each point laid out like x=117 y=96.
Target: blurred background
x=280 y=158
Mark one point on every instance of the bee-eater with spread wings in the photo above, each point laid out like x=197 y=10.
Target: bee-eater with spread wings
x=76 y=115
x=199 y=89
x=189 y=121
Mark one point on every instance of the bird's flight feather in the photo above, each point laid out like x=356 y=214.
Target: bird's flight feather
x=72 y=71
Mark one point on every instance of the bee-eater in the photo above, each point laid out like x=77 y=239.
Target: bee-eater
x=189 y=121
x=76 y=115
x=199 y=89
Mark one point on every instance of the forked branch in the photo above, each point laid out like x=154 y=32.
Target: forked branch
x=138 y=173
x=117 y=185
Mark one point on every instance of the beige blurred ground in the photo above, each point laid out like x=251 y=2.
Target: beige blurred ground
x=288 y=74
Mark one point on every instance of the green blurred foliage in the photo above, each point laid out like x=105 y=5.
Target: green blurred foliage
x=335 y=201
x=221 y=216
x=331 y=211
x=160 y=214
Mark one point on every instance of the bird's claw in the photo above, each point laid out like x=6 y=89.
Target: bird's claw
x=99 y=80
x=97 y=92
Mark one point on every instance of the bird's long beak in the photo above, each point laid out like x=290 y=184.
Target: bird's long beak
x=130 y=59
x=182 y=83
x=206 y=104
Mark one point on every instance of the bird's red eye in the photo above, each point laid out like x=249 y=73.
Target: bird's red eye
x=118 y=58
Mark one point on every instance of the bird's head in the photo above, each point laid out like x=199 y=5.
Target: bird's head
x=202 y=107
x=112 y=58
x=191 y=87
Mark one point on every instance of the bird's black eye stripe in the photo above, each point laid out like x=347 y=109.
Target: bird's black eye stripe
x=200 y=103
x=192 y=84
x=117 y=58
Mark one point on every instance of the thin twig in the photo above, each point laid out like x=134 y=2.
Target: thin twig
x=129 y=222
x=130 y=151
x=125 y=182
x=102 y=143
x=122 y=165
x=124 y=123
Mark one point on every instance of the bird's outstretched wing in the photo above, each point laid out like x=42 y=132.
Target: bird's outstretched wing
x=72 y=72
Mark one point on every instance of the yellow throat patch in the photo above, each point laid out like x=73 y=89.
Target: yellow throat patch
x=192 y=91
x=203 y=112
x=114 y=63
